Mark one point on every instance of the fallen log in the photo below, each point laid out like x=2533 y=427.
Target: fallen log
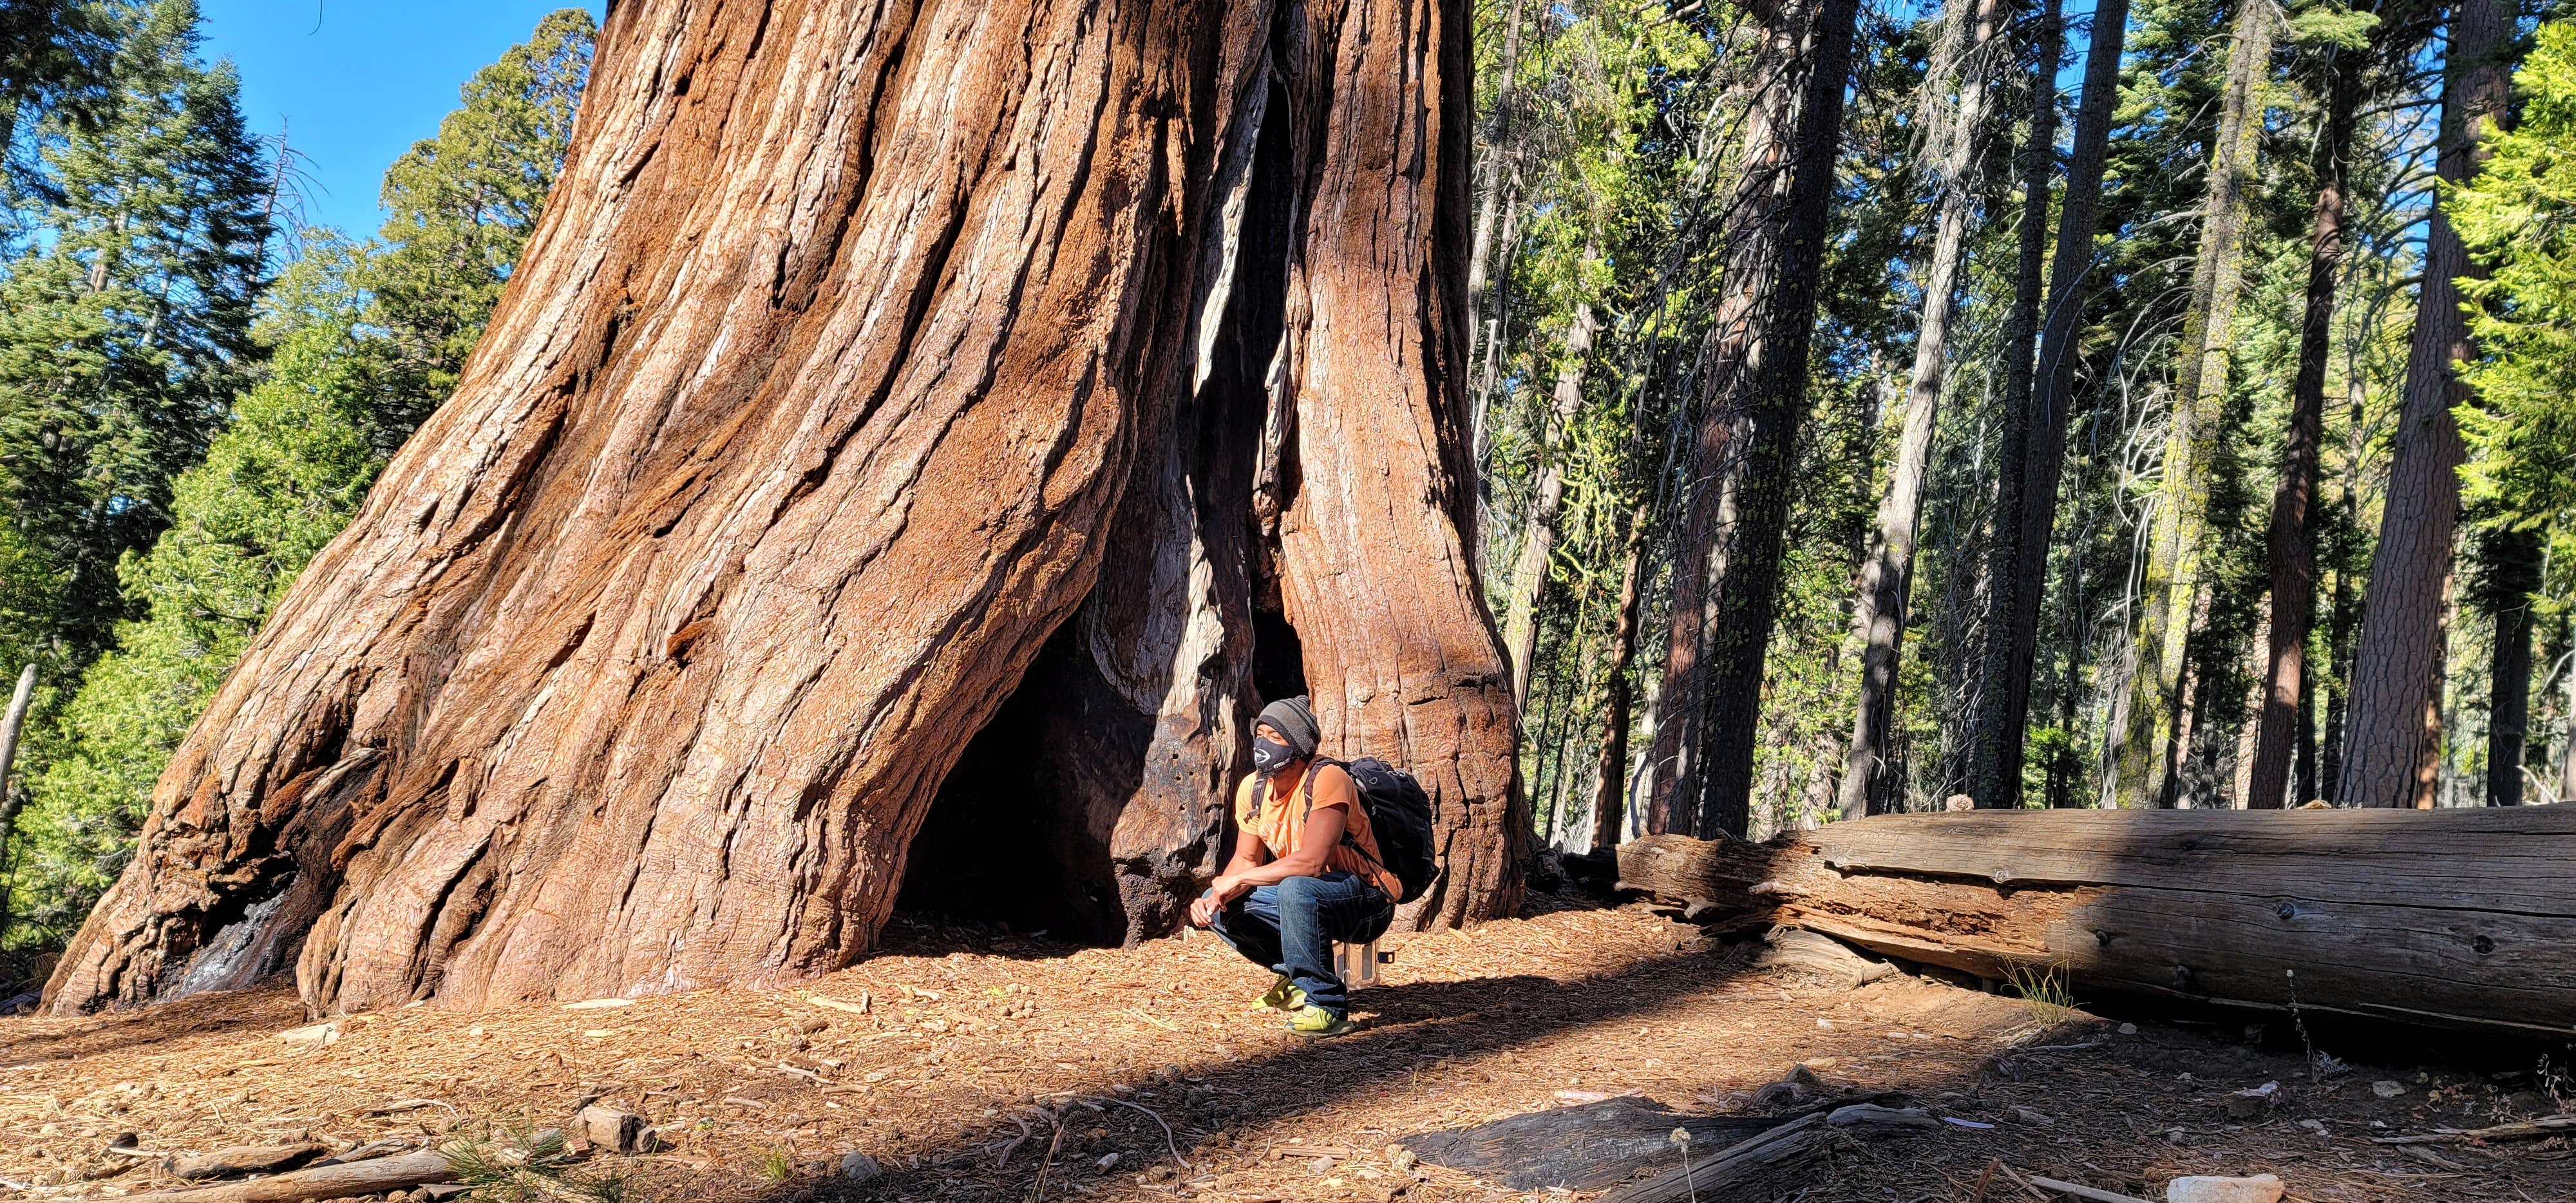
x=2452 y=918
x=1580 y=1148
x=243 y=1159
x=344 y=1181
x=375 y=1176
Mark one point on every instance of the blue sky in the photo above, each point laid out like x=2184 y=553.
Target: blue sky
x=374 y=78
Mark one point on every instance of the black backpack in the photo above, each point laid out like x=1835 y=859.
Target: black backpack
x=1399 y=815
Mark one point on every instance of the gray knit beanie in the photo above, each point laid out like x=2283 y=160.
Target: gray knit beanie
x=1292 y=718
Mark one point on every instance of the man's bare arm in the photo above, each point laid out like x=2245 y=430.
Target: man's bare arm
x=1323 y=831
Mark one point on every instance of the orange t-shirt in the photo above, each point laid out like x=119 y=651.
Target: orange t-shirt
x=1278 y=816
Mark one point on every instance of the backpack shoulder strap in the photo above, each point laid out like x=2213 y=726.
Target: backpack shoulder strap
x=1306 y=788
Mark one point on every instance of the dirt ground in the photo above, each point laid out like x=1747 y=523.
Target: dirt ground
x=976 y=1046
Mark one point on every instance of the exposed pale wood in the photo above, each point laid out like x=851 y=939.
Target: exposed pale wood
x=2460 y=918
x=1580 y=1148
x=242 y=1159
x=323 y=1182
x=2081 y=1191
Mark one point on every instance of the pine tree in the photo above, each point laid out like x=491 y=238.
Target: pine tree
x=366 y=342
x=462 y=206
x=123 y=338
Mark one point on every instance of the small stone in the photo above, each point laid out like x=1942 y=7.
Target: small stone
x=2204 y=1188
x=2128 y=1029
x=2317 y=1126
x=2386 y=1089
x=1403 y=1161
x=859 y=1167
x=1108 y=1162
x=2032 y=1116
x=1321 y=1165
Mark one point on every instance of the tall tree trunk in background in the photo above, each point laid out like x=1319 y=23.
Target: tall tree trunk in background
x=2288 y=544
x=2017 y=558
x=2513 y=572
x=1703 y=542
x=2150 y=751
x=1770 y=390
x=2021 y=326
x=12 y=723
x=1497 y=204
x=1538 y=535
x=2393 y=741
x=2567 y=743
x=1878 y=606
x=807 y=418
x=1609 y=778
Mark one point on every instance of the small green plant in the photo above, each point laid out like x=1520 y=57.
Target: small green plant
x=776 y=1165
x=518 y=1164
x=2045 y=991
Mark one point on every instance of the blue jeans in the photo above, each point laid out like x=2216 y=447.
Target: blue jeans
x=1290 y=928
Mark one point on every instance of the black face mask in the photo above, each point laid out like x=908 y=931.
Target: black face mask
x=1269 y=756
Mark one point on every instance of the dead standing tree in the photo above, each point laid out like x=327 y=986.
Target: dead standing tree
x=854 y=339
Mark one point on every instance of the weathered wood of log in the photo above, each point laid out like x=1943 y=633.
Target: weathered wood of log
x=343 y=1181
x=243 y=1159
x=2454 y=918
x=1585 y=1147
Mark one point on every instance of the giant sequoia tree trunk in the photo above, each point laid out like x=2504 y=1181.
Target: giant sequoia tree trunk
x=853 y=339
x=2392 y=753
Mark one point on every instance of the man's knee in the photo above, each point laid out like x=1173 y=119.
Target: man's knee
x=1298 y=891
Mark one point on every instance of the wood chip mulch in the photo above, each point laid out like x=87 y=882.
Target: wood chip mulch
x=976 y=1047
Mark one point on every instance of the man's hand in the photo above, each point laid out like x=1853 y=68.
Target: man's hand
x=1228 y=887
x=1203 y=911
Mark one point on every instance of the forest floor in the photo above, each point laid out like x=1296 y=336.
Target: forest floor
x=975 y=1045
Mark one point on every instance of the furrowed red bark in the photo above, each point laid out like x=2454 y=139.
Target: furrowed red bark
x=809 y=416
x=2392 y=753
x=1402 y=659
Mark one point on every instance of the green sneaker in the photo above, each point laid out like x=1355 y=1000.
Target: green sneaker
x=1316 y=1021
x=1283 y=995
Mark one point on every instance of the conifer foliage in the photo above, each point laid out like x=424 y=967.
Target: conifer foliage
x=353 y=344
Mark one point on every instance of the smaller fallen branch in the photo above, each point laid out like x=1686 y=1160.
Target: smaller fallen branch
x=2081 y=1191
x=325 y=1182
x=2532 y=1129
x=242 y=1159
x=1797 y=1140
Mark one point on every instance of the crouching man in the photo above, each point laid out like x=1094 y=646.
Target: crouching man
x=1306 y=872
